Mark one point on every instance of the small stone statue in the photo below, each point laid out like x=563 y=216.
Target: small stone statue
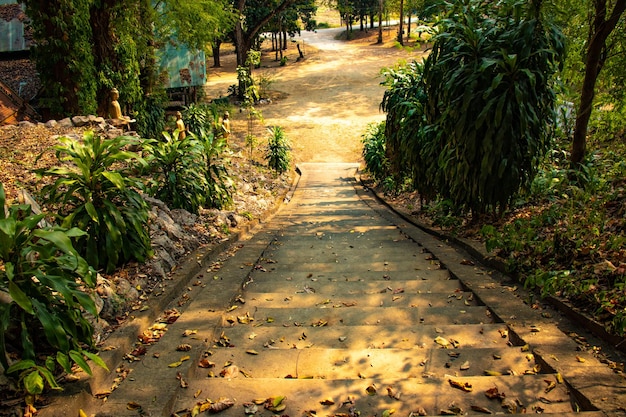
x=115 y=111
x=180 y=126
x=226 y=125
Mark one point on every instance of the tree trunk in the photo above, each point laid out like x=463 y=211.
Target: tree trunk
x=215 y=47
x=104 y=42
x=243 y=39
x=408 y=28
x=401 y=27
x=380 y=22
x=596 y=52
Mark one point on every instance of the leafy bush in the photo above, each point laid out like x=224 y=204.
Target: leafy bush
x=568 y=239
x=179 y=178
x=219 y=184
x=278 y=150
x=475 y=119
x=43 y=281
x=94 y=191
x=150 y=116
x=374 y=151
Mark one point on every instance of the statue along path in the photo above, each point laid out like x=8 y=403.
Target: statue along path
x=339 y=307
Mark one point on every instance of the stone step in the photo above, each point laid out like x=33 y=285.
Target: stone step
x=371 y=316
x=370 y=283
x=346 y=266
x=259 y=338
x=356 y=364
x=309 y=297
x=265 y=273
x=525 y=394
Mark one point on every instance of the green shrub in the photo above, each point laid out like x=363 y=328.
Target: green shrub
x=179 y=174
x=374 y=151
x=219 y=184
x=475 y=119
x=46 y=282
x=278 y=150
x=94 y=191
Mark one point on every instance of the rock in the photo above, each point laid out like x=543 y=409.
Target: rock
x=80 y=121
x=168 y=245
x=113 y=304
x=234 y=219
x=182 y=216
x=169 y=226
x=167 y=260
x=26 y=124
x=126 y=290
x=51 y=124
x=67 y=122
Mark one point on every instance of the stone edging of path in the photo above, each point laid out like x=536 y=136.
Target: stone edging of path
x=593 y=384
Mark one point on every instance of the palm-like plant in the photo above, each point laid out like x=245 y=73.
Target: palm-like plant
x=179 y=179
x=42 y=283
x=278 y=148
x=94 y=191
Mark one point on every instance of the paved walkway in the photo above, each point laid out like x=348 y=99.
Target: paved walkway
x=338 y=307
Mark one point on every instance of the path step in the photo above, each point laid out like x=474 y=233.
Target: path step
x=332 y=397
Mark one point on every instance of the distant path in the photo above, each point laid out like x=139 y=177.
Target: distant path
x=331 y=97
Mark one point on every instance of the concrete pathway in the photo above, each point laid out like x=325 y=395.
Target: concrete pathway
x=338 y=307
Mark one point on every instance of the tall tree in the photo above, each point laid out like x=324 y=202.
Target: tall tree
x=62 y=51
x=94 y=45
x=254 y=15
x=603 y=23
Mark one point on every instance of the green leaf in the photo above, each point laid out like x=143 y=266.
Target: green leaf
x=91 y=210
x=96 y=359
x=47 y=374
x=78 y=358
x=33 y=383
x=64 y=361
x=58 y=238
x=20 y=298
x=21 y=365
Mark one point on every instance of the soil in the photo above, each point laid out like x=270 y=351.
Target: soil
x=325 y=101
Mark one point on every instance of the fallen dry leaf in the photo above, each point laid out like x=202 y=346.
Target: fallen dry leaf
x=183 y=383
x=463 y=386
x=276 y=404
x=480 y=409
x=230 y=371
x=393 y=393
x=205 y=363
x=221 y=405
x=494 y=394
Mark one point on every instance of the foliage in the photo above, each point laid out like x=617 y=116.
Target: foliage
x=94 y=191
x=45 y=279
x=83 y=48
x=150 y=117
x=374 y=151
x=63 y=54
x=197 y=23
x=278 y=150
x=568 y=237
x=219 y=185
x=474 y=120
x=178 y=168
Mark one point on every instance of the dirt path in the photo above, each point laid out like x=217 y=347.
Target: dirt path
x=328 y=99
